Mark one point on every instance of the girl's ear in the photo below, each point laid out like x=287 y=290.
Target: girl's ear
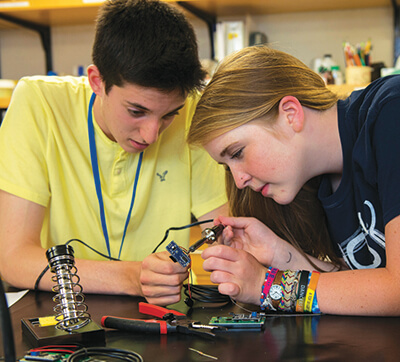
x=292 y=111
x=95 y=80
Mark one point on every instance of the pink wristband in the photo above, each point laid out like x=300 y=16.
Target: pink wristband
x=269 y=279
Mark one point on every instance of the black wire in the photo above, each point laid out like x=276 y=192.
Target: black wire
x=179 y=228
x=120 y=354
x=39 y=278
x=205 y=294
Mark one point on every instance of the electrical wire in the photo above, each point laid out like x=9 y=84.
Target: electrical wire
x=180 y=228
x=39 y=278
x=85 y=354
x=205 y=294
x=193 y=292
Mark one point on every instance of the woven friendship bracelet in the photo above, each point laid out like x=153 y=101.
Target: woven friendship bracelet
x=287 y=284
x=293 y=296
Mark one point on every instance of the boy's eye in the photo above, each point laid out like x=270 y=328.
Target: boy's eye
x=136 y=113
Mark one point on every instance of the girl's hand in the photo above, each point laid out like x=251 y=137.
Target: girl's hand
x=251 y=235
x=237 y=272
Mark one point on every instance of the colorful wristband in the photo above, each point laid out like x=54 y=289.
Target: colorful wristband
x=315 y=308
x=311 y=291
x=269 y=279
x=287 y=283
x=302 y=290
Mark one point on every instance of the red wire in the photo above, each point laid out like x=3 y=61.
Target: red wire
x=189 y=290
x=56 y=348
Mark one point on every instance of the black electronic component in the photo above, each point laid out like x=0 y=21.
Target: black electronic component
x=178 y=255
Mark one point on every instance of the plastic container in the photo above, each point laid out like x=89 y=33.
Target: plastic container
x=337 y=75
x=328 y=62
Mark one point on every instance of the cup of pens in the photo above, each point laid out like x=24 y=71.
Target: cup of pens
x=358 y=60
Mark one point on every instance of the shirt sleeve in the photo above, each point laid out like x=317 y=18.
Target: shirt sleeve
x=23 y=170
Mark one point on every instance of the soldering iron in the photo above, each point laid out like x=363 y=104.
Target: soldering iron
x=209 y=236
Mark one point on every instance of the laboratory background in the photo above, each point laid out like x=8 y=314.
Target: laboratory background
x=299 y=28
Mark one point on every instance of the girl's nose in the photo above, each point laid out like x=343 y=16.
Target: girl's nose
x=241 y=179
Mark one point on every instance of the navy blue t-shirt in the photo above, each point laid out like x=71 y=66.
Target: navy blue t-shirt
x=368 y=196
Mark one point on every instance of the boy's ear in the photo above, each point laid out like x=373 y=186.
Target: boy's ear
x=292 y=110
x=95 y=80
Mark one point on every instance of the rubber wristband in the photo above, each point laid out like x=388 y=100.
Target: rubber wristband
x=302 y=288
x=315 y=308
x=311 y=291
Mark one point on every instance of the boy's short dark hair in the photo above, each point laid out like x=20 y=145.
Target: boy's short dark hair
x=148 y=43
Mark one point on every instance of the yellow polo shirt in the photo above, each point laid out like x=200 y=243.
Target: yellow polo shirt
x=45 y=158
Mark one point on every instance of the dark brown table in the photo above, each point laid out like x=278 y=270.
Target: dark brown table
x=285 y=338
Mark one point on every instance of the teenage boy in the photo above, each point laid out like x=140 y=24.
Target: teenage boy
x=103 y=159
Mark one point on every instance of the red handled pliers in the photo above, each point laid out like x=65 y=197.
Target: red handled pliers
x=171 y=321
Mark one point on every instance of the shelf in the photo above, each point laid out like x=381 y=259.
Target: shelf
x=41 y=15
x=50 y=12
x=73 y=12
x=262 y=7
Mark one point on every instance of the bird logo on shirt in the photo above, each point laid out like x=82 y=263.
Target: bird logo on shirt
x=162 y=177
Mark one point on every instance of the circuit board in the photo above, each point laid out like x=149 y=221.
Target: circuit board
x=253 y=320
x=178 y=255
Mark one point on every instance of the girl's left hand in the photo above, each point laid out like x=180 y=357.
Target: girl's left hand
x=237 y=272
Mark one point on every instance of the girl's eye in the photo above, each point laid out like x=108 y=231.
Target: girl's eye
x=171 y=115
x=237 y=154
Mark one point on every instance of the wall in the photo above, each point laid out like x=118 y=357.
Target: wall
x=311 y=35
x=305 y=35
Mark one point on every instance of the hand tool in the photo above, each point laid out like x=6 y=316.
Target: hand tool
x=171 y=321
x=209 y=236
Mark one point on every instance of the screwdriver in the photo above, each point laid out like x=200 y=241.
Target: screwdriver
x=209 y=236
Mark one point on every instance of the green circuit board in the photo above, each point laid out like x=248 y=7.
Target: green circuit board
x=242 y=321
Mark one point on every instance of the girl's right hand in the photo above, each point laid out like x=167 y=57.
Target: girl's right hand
x=251 y=235
x=237 y=273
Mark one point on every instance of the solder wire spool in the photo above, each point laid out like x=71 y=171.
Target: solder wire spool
x=71 y=310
